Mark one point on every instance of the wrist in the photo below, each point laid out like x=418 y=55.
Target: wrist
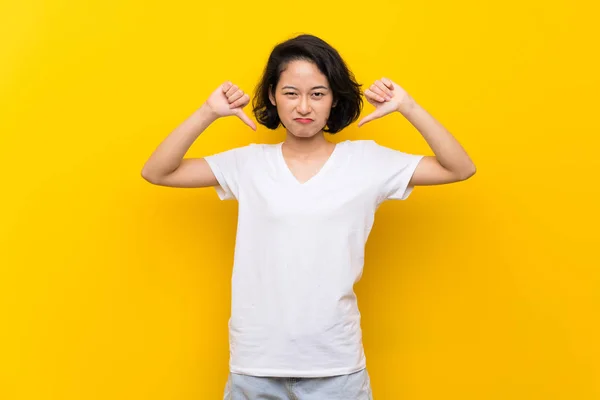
x=206 y=112
x=407 y=107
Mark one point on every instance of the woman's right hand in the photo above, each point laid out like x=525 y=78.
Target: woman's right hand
x=228 y=100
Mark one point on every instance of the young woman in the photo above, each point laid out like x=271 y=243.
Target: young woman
x=306 y=208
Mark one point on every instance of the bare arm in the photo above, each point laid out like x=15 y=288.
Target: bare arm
x=451 y=162
x=167 y=166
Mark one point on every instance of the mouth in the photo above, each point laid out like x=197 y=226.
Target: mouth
x=303 y=120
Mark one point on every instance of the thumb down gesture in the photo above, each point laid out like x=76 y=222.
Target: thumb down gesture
x=228 y=99
x=386 y=96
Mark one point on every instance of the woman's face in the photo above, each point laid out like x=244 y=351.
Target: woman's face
x=303 y=99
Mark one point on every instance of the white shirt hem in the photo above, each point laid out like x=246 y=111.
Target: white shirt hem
x=264 y=372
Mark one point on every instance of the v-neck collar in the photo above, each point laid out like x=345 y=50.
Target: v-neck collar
x=288 y=172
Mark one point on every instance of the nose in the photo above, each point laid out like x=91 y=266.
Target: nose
x=303 y=106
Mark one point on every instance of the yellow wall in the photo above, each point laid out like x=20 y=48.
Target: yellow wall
x=112 y=288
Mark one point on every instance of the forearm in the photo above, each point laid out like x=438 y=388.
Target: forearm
x=170 y=152
x=448 y=151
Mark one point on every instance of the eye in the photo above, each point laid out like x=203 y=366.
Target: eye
x=290 y=93
x=319 y=94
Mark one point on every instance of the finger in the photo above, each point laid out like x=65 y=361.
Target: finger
x=385 y=89
x=246 y=119
x=232 y=90
x=387 y=82
x=225 y=87
x=374 y=115
x=237 y=95
x=241 y=102
x=374 y=96
x=377 y=90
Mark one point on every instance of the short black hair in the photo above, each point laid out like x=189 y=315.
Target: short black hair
x=346 y=91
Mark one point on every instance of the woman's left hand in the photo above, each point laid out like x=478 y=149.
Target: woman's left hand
x=387 y=97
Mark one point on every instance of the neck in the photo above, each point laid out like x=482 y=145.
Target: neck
x=307 y=146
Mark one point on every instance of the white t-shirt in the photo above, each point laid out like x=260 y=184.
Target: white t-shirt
x=299 y=251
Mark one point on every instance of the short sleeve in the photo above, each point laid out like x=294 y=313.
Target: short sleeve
x=227 y=167
x=394 y=170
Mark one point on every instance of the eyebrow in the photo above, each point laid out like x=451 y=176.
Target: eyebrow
x=316 y=87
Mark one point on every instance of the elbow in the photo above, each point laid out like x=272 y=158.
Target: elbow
x=147 y=176
x=153 y=174
x=468 y=173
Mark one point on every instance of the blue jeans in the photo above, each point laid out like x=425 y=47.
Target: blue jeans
x=355 y=386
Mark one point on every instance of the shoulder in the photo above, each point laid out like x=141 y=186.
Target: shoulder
x=246 y=150
x=260 y=151
x=382 y=157
x=368 y=149
x=260 y=147
x=236 y=156
x=366 y=145
x=254 y=153
x=359 y=145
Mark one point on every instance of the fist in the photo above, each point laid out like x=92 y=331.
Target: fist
x=228 y=99
x=387 y=97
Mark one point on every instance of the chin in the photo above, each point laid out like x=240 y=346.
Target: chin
x=305 y=133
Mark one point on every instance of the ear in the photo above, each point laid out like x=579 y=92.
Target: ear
x=271 y=97
x=334 y=103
